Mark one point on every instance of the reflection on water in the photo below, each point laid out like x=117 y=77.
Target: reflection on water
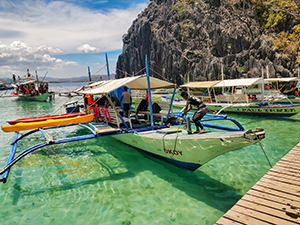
x=105 y=182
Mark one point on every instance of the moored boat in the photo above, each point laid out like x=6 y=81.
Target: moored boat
x=243 y=96
x=189 y=151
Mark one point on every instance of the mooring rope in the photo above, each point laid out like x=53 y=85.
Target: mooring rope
x=262 y=148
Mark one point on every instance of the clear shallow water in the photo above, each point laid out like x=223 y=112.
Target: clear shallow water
x=102 y=181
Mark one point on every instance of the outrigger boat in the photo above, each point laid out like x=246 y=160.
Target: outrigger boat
x=27 y=90
x=245 y=96
x=279 y=89
x=170 y=142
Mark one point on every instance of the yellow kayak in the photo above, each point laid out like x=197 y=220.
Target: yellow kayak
x=48 y=123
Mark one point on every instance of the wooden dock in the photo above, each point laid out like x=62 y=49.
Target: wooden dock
x=274 y=199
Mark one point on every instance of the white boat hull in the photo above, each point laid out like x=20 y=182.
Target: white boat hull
x=190 y=151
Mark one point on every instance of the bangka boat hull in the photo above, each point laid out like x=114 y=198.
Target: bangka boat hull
x=288 y=100
x=286 y=110
x=190 y=151
x=39 y=98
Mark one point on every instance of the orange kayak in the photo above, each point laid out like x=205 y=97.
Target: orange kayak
x=43 y=118
x=48 y=123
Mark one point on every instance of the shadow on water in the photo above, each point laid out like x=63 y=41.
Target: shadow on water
x=194 y=184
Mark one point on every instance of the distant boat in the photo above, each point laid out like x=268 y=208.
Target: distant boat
x=3 y=87
x=32 y=90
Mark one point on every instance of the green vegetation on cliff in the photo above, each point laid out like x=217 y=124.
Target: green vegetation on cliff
x=281 y=17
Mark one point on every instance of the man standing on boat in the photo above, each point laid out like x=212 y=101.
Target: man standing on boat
x=127 y=100
x=199 y=114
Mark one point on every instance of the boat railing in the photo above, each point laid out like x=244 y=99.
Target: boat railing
x=211 y=117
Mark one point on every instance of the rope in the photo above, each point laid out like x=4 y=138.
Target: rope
x=265 y=154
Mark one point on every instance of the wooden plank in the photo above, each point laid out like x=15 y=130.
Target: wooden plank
x=226 y=221
x=243 y=216
x=280 y=190
x=265 y=213
x=286 y=167
x=295 y=179
x=282 y=208
x=278 y=171
x=268 y=190
x=282 y=179
x=281 y=186
x=293 y=151
x=272 y=197
x=290 y=158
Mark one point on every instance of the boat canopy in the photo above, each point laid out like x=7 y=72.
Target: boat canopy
x=200 y=84
x=97 y=83
x=133 y=83
x=247 y=82
x=29 y=82
x=281 y=79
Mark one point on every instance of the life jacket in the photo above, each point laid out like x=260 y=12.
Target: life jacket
x=297 y=94
x=90 y=101
x=147 y=97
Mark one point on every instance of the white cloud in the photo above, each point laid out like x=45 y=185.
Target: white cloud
x=86 y=48
x=17 y=56
x=32 y=31
x=64 y=25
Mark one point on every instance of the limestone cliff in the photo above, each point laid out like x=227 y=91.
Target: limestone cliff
x=195 y=37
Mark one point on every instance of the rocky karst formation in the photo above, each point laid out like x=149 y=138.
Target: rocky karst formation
x=194 y=37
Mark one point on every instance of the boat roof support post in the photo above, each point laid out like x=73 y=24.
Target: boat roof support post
x=216 y=99
x=209 y=94
x=115 y=109
x=149 y=91
x=10 y=157
x=171 y=103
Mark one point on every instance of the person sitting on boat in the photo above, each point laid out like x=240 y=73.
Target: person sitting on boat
x=127 y=100
x=199 y=114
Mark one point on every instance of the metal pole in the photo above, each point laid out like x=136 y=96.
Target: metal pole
x=149 y=92
x=263 y=85
x=89 y=72
x=171 y=103
x=107 y=67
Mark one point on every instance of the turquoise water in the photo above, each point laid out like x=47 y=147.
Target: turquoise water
x=102 y=181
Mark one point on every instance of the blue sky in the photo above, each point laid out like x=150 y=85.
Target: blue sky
x=63 y=37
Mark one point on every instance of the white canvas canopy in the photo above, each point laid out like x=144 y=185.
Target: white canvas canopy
x=97 y=83
x=200 y=84
x=281 y=79
x=247 y=82
x=133 y=83
x=29 y=82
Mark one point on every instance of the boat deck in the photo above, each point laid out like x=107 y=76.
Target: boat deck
x=274 y=199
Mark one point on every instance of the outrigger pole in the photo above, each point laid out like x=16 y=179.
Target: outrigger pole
x=149 y=92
